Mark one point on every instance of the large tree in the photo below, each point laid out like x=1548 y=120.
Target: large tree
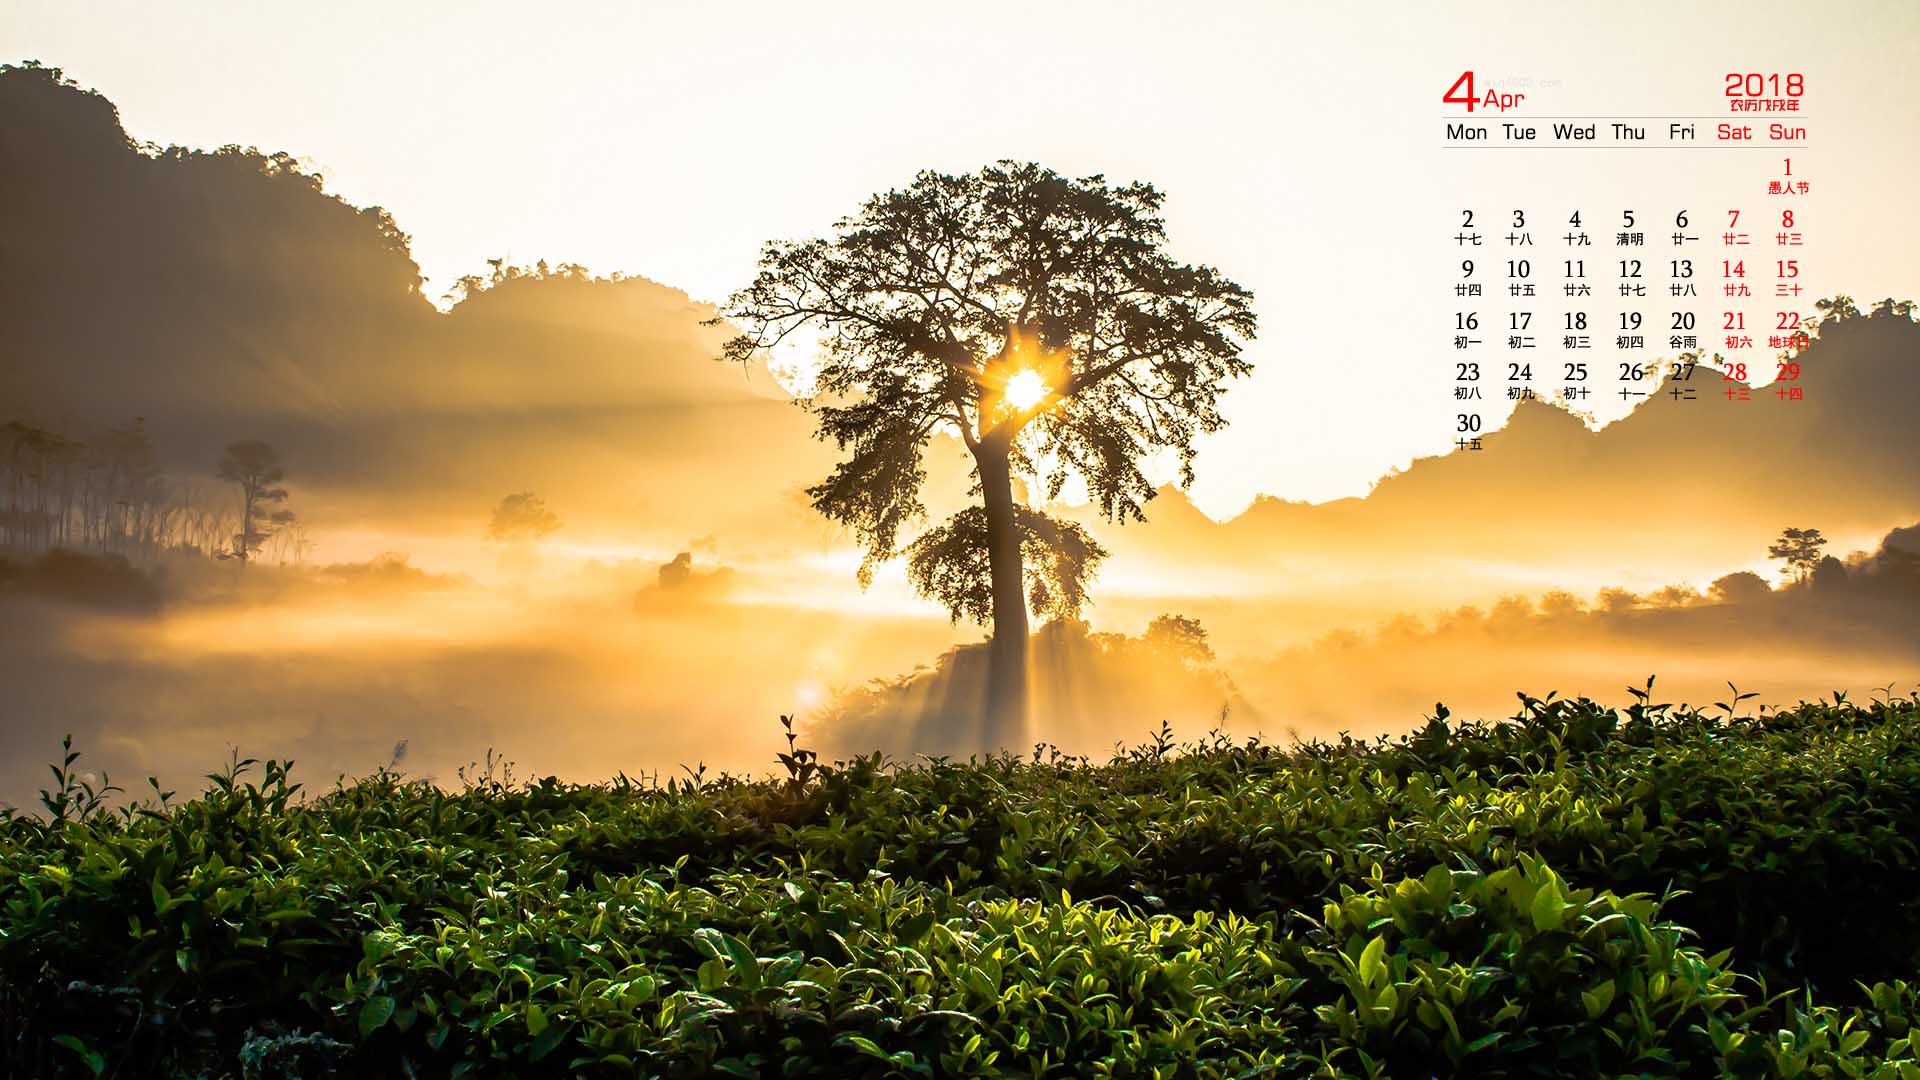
x=1038 y=319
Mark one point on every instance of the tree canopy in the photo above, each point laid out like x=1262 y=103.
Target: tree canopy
x=1034 y=317
x=932 y=299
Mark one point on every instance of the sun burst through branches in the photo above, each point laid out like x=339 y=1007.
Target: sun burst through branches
x=1026 y=388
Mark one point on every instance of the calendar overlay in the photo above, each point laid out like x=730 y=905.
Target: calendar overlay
x=1677 y=289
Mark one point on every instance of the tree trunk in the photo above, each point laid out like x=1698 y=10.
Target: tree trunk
x=246 y=525
x=1005 y=725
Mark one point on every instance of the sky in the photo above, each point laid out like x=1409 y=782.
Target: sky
x=1298 y=147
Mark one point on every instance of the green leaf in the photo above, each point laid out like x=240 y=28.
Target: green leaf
x=376 y=1012
x=1435 y=1013
x=914 y=928
x=1387 y=1001
x=544 y=1043
x=1372 y=963
x=746 y=966
x=1485 y=1041
x=96 y=1063
x=1549 y=910
x=1597 y=999
x=536 y=1020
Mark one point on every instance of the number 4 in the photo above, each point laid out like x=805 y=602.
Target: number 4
x=1466 y=80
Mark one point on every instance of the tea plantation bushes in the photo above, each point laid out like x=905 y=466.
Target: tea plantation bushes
x=1580 y=891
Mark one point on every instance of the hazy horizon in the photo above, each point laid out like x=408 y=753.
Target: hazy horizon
x=1348 y=570
x=637 y=141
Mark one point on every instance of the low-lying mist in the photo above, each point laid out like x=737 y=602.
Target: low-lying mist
x=587 y=668
x=608 y=668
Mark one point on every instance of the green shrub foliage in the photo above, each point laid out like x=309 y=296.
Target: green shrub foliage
x=1580 y=891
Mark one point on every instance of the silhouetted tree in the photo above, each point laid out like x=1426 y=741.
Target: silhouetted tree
x=1675 y=596
x=501 y=272
x=522 y=517
x=106 y=492
x=1511 y=612
x=1038 y=319
x=30 y=456
x=1179 y=637
x=1616 y=601
x=1799 y=550
x=1829 y=574
x=1740 y=587
x=255 y=467
x=291 y=541
x=123 y=490
x=1561 y=604
x=1839 y=308
x=519 y=522
x=678 y=572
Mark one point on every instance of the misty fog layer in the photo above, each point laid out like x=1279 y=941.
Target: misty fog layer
x=158 y=305
x=605 y=670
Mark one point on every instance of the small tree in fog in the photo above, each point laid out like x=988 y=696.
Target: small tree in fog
x=520 y=521
x=1740 y=587
x=1799 y=551
x=1617 y=601
x=522 y=518
x=255 y=467
x=1180 y=637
